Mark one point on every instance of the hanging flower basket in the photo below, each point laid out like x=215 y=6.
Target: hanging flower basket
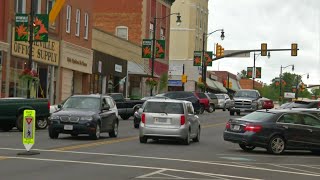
x=201 y=85
x=152 y=82
x=29 y=75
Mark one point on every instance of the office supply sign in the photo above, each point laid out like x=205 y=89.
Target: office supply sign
x=29 y=122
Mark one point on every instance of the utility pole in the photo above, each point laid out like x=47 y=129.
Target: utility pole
x=204 y=71
x=30 y=44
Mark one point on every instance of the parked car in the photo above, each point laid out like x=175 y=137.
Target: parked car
x=304 y=104
x=168 y=118
x=126 y=108
x=204 y=102
x=224 y=102
x=267 y=103
x=275 y=130
x=213 y=101
x=184 y=95
x=11 y=112
x=246 y=100
x=84 y=114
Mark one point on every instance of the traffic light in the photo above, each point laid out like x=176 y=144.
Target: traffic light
x=184 y=78
x=264 y=49
x=200 y=79
x=222 y=51
x=219 y=50
x=294 y=49
x=230 y=84
x=302 y=87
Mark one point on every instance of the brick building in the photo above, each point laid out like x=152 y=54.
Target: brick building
x=248 y=84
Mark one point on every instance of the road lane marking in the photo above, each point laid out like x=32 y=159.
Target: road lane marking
x=86 y=145
x=295 y=169
x=130 y=166
x=179 y=160
x=269 y=156
x=152 y=173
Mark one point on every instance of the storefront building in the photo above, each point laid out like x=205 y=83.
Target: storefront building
x=75 y=70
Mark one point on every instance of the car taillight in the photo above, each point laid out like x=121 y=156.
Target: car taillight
x=182 y=120
x=143 y=118
x=228 y=125
x=253 y=128
x=49 y=105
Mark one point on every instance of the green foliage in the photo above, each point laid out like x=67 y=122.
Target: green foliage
x=315 y=92
x=163 y=81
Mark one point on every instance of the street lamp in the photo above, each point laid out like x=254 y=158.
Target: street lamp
x=204 y=66
x=292 y=65
x=154 y=40
x=254 y=66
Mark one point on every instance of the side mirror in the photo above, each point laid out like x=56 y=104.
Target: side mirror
x=106 y=107
x=59 y=106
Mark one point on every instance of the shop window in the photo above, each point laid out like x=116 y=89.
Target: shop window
x=162 y=33
x=50 y=4
x=20 y=6
x=122 y=32
x=86 y=26
x=68 y=19
x=37 y=6
x=151 y=31
x=78 y=22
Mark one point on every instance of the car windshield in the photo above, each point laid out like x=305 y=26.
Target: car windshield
x=252 y=94
x=258 y=116
x=82 y=103
x=164 y=107
x=117 y=97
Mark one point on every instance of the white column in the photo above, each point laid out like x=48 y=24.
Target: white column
x=104 y=84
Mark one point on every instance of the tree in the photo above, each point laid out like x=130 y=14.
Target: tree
x=243 y=74
x=316 y=92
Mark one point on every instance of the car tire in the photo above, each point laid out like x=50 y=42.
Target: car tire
x=201 y=109
x=186 y=141
x=136 y=126
x=42 y=123
x=19 y=123
x=7 y=128
x=125 y=117
x=276 y=145
x=211 y=108
x=197 y=138
x=246 y=147
x=115 y=131
x=96 y=134
x=143 y=139
x=231 y=113
x=53 y=134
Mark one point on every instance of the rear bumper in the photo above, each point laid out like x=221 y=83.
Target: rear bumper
x=161 y=132
x=248 y=138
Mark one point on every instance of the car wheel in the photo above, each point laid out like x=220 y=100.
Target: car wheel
x=114 y=132
x=136 y=126
x=19 y=123
x=211 y=108
x=238 y=113
x=96 y=134
x=42 y=123
x=53 y=134
x=231 y=113
x=125 y=117
x=201 y=109
x=7 y=128
x=186 y=141
x=246 y=147
x=276 y=145
x=143 y=139
x=197 y=138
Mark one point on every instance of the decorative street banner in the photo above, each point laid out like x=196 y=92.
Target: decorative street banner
x=258 y=72
x=40 y=30
x=208 y=58
x=21 y=30
x=146 y=48
x=249 y=72
x=197 y=58
x=160 y=49
x=29 y=122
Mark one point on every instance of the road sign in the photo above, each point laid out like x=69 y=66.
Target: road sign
x=243 y=55
x=289 y=95
x=176 y=69
x=29 y=122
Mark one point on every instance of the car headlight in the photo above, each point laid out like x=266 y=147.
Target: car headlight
x=54 y=118
x=86 y=118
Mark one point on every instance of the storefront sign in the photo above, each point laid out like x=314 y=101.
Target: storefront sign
x=118 y=68
x=175 y=83
x=43 y=52
x=78 y=62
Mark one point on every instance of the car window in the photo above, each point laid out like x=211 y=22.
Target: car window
x=190 y=108
x=79 y=102
x=164 y=107
x=290 y=119
x=252 y=94
x=299 y=104
x=117 y=97
x=220 y=96
x=311 y=121
x=110 y=102
x=258 y=116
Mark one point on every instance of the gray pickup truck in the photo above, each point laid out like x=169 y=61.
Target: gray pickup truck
x=246 y=100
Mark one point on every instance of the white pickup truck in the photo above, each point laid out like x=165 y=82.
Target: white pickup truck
x=246 y=100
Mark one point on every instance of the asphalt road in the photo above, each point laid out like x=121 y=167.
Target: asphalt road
x=125 y=158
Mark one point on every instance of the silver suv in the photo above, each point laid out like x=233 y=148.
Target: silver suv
x=224 y=102
x=168 y=118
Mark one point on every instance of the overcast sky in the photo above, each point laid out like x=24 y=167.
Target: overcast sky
x=248 y=23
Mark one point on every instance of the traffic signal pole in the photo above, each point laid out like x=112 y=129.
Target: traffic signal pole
x=30 y=44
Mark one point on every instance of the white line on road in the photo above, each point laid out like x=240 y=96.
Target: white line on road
x=151 y=174
x=295 y=169
x=129 y=166
x=282 y=156
x=172 y=159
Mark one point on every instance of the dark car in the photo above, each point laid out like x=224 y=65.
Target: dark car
x=304 y=104
x=275 y=130
x=184 y=95
x=84 y=114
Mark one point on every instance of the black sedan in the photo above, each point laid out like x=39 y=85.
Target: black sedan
x=275 y=130
x=84 y=114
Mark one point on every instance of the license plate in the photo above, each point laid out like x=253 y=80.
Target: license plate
x=68 y=127
x=161 y=120
x=236 y=127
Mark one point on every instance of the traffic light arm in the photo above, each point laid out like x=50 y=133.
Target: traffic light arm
x=248 y=51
